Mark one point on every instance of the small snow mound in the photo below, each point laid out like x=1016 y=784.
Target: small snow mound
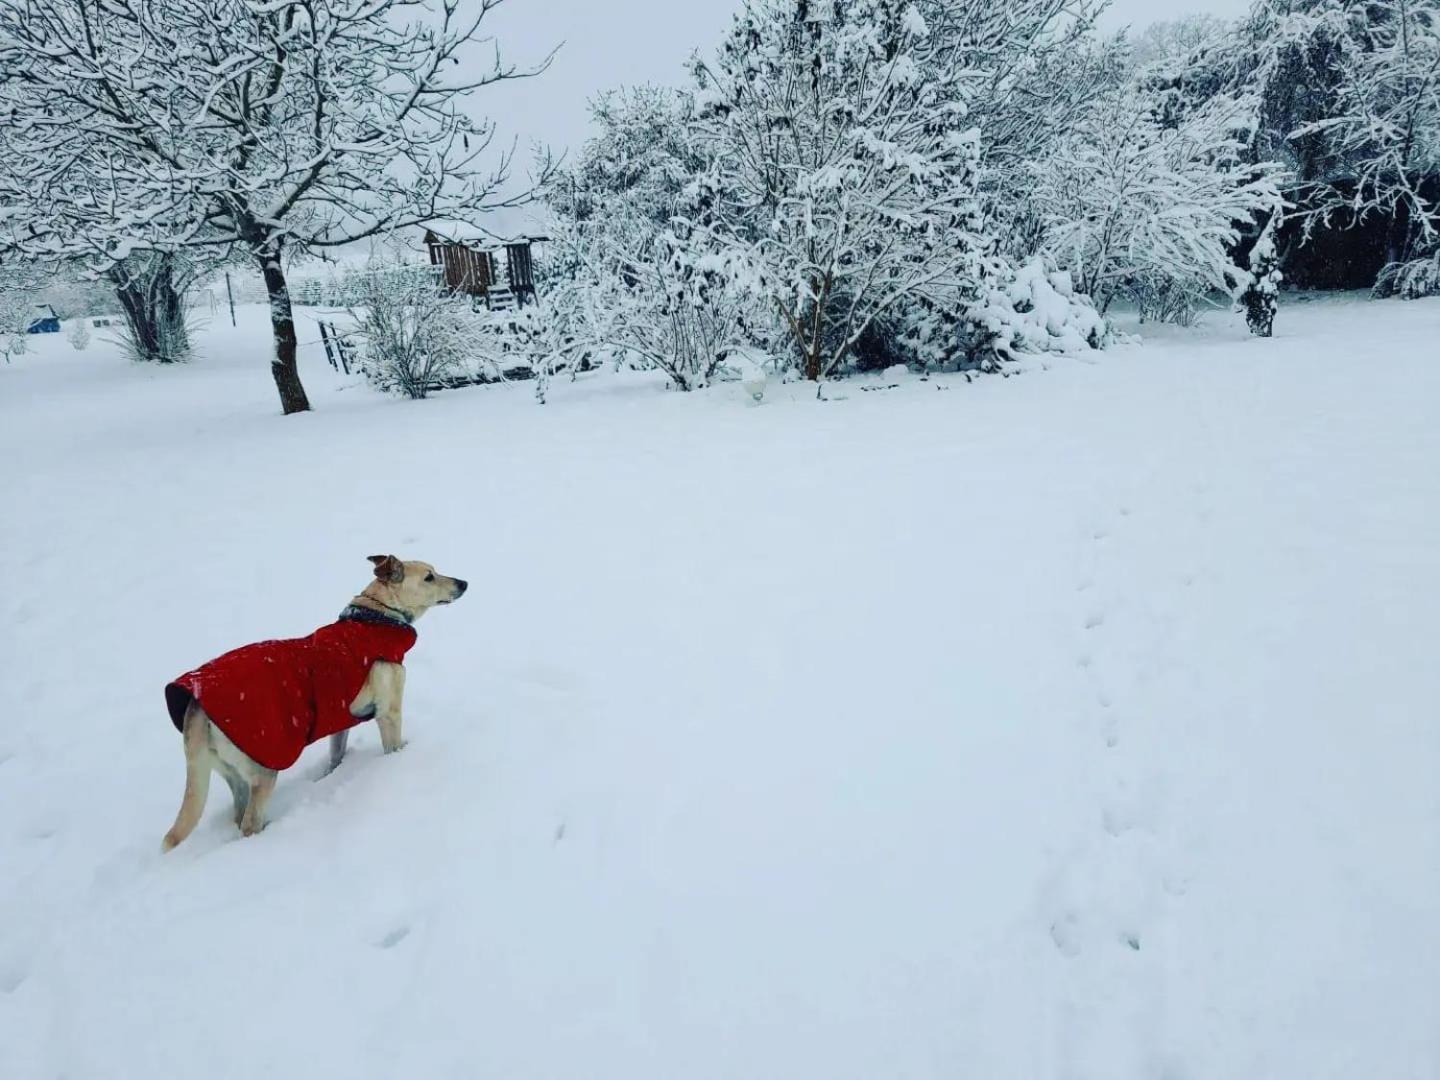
x=750 y=364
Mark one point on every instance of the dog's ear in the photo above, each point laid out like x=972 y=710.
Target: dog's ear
x=388 y=568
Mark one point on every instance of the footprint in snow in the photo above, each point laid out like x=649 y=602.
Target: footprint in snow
x=393 y=937
x=13 y=972
x=1111 y=733
x=1065 y=933
x=41 y=830
x=1094 y=619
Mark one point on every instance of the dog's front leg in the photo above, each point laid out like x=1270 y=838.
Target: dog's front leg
x=387 y=681
x=338 y=742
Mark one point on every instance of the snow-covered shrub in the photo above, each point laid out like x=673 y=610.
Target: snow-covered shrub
x=78 y=334
x=1260 y=292
x=626 y=275
x=1411 y=280
x=1035 y=311
x=415 y=334
x=1165 y=298
x=1154 y=211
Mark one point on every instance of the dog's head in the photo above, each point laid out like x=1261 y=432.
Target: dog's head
x=412 y=587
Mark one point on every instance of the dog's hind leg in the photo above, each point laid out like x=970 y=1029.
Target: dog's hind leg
x=261 y=788
x=196 y=738
x=239 y=789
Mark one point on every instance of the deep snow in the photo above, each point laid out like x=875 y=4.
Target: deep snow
x=1077 y=724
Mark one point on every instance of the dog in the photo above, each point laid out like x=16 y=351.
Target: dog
x=249 y=713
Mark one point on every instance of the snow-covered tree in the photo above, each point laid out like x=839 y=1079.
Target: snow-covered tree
x=20 y=285
x=1023 y=72
x=1383 y=136
x=1260 y=289
x=634 y=171
x=622 y=280
x=1177 y=40
x=274 y=128
x=1136 y=207
x=843 y=168
x=152 y=288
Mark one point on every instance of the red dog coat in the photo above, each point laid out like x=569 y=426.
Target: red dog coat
x=274 y=698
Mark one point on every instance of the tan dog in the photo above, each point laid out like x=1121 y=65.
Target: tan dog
x=277 y=697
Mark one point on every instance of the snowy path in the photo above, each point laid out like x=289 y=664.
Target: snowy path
x=1080 y=724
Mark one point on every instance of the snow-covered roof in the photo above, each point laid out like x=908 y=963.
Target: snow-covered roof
x=507 y=225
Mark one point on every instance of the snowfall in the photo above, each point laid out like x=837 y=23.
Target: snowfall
x=1076 y=724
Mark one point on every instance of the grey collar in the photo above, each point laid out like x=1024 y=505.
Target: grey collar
x=356 y=613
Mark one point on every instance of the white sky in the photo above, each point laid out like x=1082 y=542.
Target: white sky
x=608 y=43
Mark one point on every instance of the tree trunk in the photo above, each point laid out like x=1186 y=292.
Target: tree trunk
x=1397 y=236
x=282 y=323
x=154 y=307
x=812 y=362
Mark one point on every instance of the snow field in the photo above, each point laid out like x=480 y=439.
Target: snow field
x=1077 y=724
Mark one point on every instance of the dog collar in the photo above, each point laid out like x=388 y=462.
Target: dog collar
x=356 y=613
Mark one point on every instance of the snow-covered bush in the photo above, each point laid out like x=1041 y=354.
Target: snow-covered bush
x=415 y=334
x=626 y=275
x=671 y=305
x=1260 y=292
x=1136 y=207
x=78 y=334
x=1411 y=280
x=1035 y=311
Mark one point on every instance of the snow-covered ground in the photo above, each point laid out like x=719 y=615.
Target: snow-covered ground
x=1078 y=724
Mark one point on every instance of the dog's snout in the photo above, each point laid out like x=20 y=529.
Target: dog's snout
x=460 y=586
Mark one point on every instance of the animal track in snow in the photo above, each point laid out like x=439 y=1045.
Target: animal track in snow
x=13 y=972
x=393 y=937
x=1111 y=732
x=1094 y=619
x=1065 y=932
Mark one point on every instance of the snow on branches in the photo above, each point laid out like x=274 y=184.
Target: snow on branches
x=843 y=169
x=274 y=128
x=1136 y=207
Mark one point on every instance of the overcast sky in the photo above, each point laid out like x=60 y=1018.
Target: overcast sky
x=608 y=43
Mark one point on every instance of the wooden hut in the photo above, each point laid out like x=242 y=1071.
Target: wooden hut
x=467 y=258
